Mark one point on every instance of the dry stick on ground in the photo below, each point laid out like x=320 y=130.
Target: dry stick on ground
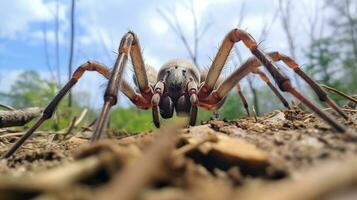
x=6 y=107
x=70 y=127
x=339 y=93
x=326 y=109
x=18 y=117
x=138 y=174
x=311 y=184
x=22 y=133
x=81 y=117
x=75 y=121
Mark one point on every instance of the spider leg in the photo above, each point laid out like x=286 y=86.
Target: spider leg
x=111 y=93
x=280 y=78
x=137 y=99
x=264 y=77
x=244 y=100
x=223 y=89
x=220 y=59
x=276 y=56
x=192 y=92
x=49 y=110
x=139 y=69
x=158 y=91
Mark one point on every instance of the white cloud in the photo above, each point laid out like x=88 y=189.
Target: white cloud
x=153 y=60
x=17 y=15
x=7 y=77
x=158 y=25
x=38 y=36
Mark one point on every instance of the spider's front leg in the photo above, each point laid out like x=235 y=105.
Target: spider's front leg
x=129 y=45
x=158 y=91
x=192 y=92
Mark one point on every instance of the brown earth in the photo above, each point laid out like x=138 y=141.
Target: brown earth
x=281 y=155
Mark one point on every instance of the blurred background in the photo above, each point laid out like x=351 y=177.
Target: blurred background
x=43 y=41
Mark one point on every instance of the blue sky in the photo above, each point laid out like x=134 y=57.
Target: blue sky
x=101 y=24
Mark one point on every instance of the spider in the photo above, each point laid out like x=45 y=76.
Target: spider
x=178 y=84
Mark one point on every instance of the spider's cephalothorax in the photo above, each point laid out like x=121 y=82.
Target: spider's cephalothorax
x=176 y=75
x=178 y=87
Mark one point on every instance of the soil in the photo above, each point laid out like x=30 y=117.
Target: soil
x=293 y=140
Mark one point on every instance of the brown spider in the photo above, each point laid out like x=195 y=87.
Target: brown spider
x=178 y=85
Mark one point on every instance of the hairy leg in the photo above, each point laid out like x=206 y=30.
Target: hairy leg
x=49 y=110
x=209 y=98
x=276 y=56
x=111 y=93
x=265 y=78
x=243 y=99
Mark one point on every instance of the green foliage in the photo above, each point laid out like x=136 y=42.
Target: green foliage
x=30 y=89
x=330 y=65
x=322 y=58
x=333 y=58
x=131 y=119
x=233 y=107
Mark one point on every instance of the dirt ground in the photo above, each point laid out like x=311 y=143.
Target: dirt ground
x=285 y=154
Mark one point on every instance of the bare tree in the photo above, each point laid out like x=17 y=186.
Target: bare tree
x=47 y=58
x=313 y=30
x=73 y=6
x=199 y=30
x=58 y=68
x=347 y=18
x=286 y=21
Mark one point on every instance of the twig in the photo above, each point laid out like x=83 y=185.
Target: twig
x=339 y=93
x=71 y=126
x=12 y=134
x=326 y=109
x=18 y=117
x=139 y=173
x=255 y=114
x=7 y=107
x=81 y=117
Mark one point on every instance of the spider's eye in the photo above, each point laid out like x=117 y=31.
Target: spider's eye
x=167 y=72
x=184 y=71
x=176 y=67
